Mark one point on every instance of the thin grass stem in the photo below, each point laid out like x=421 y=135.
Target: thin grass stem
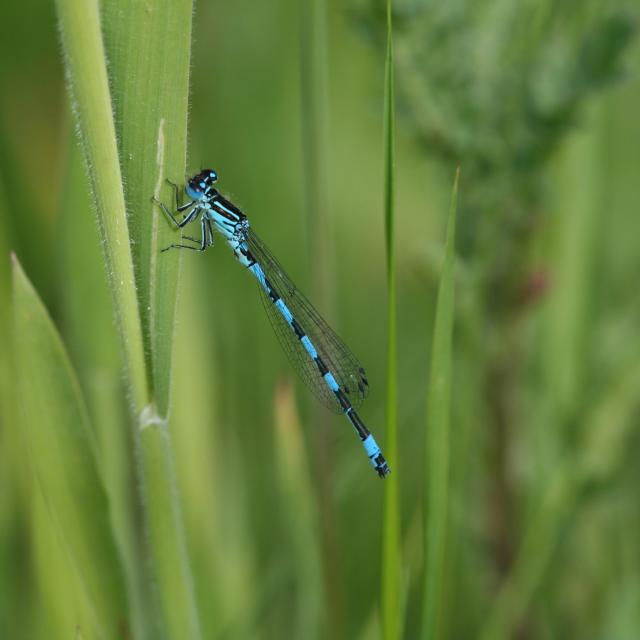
x=391 y=561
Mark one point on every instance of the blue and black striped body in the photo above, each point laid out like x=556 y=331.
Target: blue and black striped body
x=324 y=362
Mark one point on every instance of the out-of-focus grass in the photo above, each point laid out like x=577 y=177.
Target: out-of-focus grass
x=62 y=451
x=298 y=499
x=543 y=499
x=149 y=48
x=437 y=457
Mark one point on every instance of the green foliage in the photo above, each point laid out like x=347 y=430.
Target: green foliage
x=494 y=86
x=62 y=453
x=144 y=308
x=161 y=486
x=437 y=458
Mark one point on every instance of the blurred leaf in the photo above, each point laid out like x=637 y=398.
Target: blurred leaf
x=471 y=73
x=61 y=447
x=298 y=502
x=14 y=579
x=602 y=50
x=212 y=478
x=575 y=232
x=609 y=429
x=59 y=596
x=437 y=439
x=494 y=87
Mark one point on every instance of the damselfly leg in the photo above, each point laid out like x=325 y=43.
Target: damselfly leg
x=190 y=217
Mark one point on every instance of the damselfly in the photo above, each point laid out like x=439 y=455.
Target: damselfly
x=321 y=358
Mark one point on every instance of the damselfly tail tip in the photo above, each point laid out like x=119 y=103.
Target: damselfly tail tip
x=382 y=468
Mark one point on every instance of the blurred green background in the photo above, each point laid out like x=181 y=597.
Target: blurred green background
x=538 y=105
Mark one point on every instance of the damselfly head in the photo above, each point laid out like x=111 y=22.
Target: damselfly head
x=201 y=184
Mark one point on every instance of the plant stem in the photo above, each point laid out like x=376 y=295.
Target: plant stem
x=391 y=524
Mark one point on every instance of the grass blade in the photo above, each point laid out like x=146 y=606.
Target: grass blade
x=92 y=342
x=437 y=440
x=61 y=446
x=149 y=55
x=298 y=499
x=391 y=526
x=314 y=98
x=315 y=136
x=212 y=478
x=86 y=68
x=87 y=75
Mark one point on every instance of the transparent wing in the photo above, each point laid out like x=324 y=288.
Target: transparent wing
x=344 y=366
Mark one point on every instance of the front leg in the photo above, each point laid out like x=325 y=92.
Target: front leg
x=179 y=208
x=176 y=191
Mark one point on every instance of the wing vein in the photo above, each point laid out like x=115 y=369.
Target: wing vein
x=337 y=357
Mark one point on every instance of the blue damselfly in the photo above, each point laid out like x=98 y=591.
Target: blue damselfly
x=321 y=358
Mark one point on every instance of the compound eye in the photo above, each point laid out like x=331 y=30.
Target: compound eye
x=195 y=189
x=213 y=176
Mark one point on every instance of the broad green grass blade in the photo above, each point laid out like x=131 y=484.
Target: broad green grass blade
x=86 y=68
x=92 y=342
x=87 y=73
x=437 y=439
x=298 y=501
x=60 y=602
x=62 y=448
x=391 y=561
x=148 y=47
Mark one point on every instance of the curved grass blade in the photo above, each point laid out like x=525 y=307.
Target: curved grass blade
x=61 y=449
